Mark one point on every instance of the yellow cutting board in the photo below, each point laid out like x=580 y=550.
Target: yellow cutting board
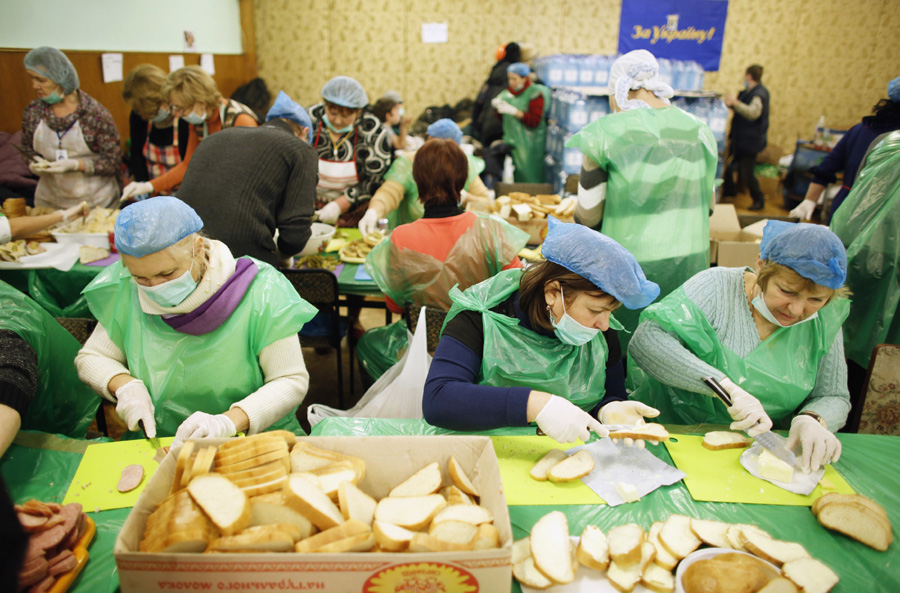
x=517 y=455
x=718 y=476
x=94 y=484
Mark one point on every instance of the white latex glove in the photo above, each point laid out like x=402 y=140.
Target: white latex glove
x=63 y=166
x=200 y=425
x=136 y=188
x=39 y=167
x=368 y=222
x=329 y=213
x=495 y=102
x=628 y=412
x=804 y=210
x=81 y=209
x=505 y=108
x=818 y=446
x=746 y=411
x=565 y=422
x=133 y=404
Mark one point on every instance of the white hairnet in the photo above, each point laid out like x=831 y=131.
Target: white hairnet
x=637 y=69
x=346 y=92
x=52 y=63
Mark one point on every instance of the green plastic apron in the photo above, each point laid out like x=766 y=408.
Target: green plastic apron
x=780 y=372
x=206 y=373
x=410 y=208
x=517 y=357
x=62 y=403
x=868 y=223
x=527 y=144
x=661 y=165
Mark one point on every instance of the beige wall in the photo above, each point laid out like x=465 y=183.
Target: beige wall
x=831 y=57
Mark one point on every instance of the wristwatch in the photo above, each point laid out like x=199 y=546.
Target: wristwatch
x=817 y=418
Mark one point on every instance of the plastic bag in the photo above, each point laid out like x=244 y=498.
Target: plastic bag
x=397 y=393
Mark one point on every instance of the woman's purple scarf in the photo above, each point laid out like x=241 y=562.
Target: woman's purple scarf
x=218 y=308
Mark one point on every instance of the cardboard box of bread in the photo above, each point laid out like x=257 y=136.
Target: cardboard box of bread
x=329 y=513
x=529 y=213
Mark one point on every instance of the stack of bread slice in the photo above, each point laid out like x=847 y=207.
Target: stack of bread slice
x=855 y=516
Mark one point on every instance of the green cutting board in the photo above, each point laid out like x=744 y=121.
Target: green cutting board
x=95 y=480
x=718 y=476
x=517 y=455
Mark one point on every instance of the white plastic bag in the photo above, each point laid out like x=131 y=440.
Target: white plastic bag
x=397 y=393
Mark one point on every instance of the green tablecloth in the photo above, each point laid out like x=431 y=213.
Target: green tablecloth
x=868 y=463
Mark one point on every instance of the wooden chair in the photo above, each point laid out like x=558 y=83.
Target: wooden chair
x=434 y=322
x=320 y=289
x=81 y=329
x=879 y=410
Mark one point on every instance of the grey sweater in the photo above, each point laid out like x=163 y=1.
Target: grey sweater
x=247 y=182
x=719 y=293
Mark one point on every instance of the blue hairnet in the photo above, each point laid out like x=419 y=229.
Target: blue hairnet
x=346 y=92
x=811 y=250
x=152 y=225
x=894 y=90
x=52 y=63
x=286 y=108
x=601 y=260
x=519 y=68
x=445 y=128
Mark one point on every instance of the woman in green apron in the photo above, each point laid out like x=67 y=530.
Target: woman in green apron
x=192 y=342
x=522 y=106
x=541 y=345
x=771 y=337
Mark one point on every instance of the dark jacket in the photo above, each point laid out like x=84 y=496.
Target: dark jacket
x=485 y=127
x=749 y=137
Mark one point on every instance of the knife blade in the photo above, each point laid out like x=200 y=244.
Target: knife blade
x=153 y=441
x=773 y=443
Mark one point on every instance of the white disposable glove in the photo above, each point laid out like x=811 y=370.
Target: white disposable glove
x=329 y=213
x=133 y=404
x=136 y=188
x=200 y=425
x=628 y=412
x=565 y=422
x=63 y=166
x=81 y=209
x=746 y=411
x=39 y=166
x=818 y=446
x=368 y=222
x=495 y=102
x=804 y=210
x=505 y=108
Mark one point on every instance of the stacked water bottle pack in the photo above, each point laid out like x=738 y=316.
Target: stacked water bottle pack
x=593 y=71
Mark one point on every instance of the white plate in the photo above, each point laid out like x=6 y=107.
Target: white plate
x=704 y=554
x=61 y=257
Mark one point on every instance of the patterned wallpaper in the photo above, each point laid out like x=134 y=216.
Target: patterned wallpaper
x=831 y=57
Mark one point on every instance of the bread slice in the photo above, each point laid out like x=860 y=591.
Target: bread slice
x=528 y=574
x=572 y=468
x=810 y=575
x=550 y=547
x=347 y=529
x=648 y=432
x=625 y=544
x=392 y=538
x=356 y=504
x=859 y=522
x=249 y=450
x=269 y=539
x=625 y=579
x=676 y=536
x=593 y=549
x=184 y=455
x=455 y=532
x=361 y=542
x=658 y=579
x=852 y=498
x=422 y=483
x=330 y=477
x=456 y=496
x=280 y=456
x=718 y=440
x=258 y=475
x=202 y=465
x=487 y=537
x=733 y=535
x=521 y=549
x=412 y=512
x=467 y=513
x=305 y=457
x=711 y=533
x=779 y=585
x=225 y=504
x=424 y=542
x=663 y=557
x=236 y=444
x=551 y=458
x=276 y=513
x=460 y=478
x=310 y=501
x=772 y=550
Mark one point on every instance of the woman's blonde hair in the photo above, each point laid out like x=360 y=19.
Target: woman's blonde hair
x=769 y=270
x=143 y=89
x=194 y=85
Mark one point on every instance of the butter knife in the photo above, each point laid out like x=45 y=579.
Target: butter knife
x=154 y=441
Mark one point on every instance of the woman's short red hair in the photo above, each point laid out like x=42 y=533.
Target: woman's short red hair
x=440 y=169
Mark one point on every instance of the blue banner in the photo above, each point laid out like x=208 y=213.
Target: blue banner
x=675 y=29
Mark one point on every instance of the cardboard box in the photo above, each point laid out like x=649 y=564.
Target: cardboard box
x=389 y=461
x=771 y=154
x=731 y=246
x=771 y=188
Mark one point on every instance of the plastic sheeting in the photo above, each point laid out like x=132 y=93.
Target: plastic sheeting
x=868 y=223
x=862 y=463
x=56 y=291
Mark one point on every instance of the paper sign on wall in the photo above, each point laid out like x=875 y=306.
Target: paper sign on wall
x=175 y=62
x=434 y=33
x=208 y=64
x=112 y=67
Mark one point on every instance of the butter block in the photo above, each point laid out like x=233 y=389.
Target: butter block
x=772 y=468
x=628 y=492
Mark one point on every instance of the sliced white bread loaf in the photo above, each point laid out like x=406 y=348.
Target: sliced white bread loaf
x=225 y=504
x=422 y=483
x=857 y=521
x=310 y=501
x=551 y=548
x=460 y=478
x=676 y=536
x=276 y=513
x=718 y=440
x=593 y=549
x=356 y=504
x=772 y=550
x=412 y=512
x=456 y=496
x=468 y=513
x=551 y=458
x=528 y=574
x=852 y=498
x=392 y=538
x=711 y=533
x=347 y=529
x=663 y=557
x=572 y=468
x=625 y=545
x=810 y=575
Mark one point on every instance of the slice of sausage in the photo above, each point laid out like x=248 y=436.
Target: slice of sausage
x=132 y=476
x=71 y=513
x=60 y=557
x=63 y=566
x=76 y=533
x=32 y=551
x=31 y=523
x=33 y=572
x=51 y=538
x=43 y=586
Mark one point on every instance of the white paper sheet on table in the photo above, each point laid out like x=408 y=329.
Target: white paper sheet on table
x=801 y=483
x=615 y=464
x=59 y=256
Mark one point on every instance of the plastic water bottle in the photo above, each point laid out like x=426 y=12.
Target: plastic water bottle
x=601 y=71
x=679 y=75
x=665 y=71
x=570 y=71
x=586 y=70
x=508 y=170
x=719 y=120
x=578 y=115
x=819 y=136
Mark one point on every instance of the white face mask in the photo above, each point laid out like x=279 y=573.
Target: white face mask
x=759 y=303
x=568 y=330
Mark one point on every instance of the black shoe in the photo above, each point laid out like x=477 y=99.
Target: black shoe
x=757 y=206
